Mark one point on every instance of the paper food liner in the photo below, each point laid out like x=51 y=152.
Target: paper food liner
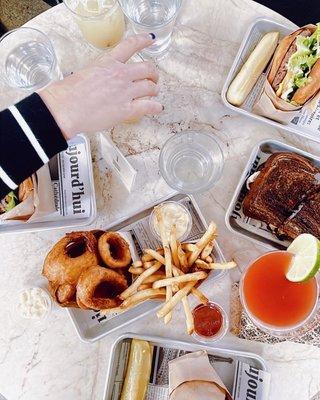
x=43 y=195
x=186 y=370
x=269 y=105
x=244 y=328
x=39 y=202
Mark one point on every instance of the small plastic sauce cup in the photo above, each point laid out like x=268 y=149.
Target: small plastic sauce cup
x=210 y=321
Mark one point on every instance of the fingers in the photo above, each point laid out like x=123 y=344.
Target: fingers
x=128 y=47
x=144 y=88
x=143 y=70
x=145 y=107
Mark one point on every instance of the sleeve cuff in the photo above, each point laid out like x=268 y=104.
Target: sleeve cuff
x=42 y=124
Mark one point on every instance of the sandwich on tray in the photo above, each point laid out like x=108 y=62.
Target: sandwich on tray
x=295 y=68
x=285 y=195
x=16 y=197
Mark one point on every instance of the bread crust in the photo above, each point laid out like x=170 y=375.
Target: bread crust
x=305 y=93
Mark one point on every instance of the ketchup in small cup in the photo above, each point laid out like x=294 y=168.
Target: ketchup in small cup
x=210 y=322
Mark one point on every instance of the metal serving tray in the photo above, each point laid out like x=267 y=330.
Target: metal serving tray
x=238 y=223
x=225 y=361
x=56 y=221
x=91 y=325
x=254 y=33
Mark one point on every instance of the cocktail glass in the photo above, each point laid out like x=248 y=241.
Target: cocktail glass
x=273 y=303
x=100 y=21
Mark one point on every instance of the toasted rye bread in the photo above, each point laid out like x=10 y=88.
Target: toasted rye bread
x=305 y=220
x=279 y=58
x=284 y=181
x=305 y=93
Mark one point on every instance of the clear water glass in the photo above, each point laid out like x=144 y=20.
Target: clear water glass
x=27 y=59
x=153 y=16
x=191 y=162
x=100 y=21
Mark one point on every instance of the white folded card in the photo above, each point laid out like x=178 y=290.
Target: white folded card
x=117 y=162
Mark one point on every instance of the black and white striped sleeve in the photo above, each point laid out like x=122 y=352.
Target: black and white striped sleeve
x=29 y=137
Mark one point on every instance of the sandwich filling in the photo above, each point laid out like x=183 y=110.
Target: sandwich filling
x=300 y=63
x=8 y=203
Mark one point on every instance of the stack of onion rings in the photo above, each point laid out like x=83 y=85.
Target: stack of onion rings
x=75 y=277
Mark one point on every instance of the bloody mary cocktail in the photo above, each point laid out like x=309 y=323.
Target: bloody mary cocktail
x=271 y=299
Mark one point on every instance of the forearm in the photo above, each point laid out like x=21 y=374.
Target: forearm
x=29 y=137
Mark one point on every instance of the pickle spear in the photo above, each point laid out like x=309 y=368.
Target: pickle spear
x=138 y=371
x=252 y=69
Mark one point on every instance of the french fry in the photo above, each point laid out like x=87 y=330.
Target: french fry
x=183 y=260
x=196 y=292
x=209 y=259
x=141 y=296
x=207 y=250
x=148 y=264
x=136 y=270
x=189 y=316
x=189 y=247
x=174 y=251
x=171 y=303
x=201 y=244
x=174 y=246
x=145 y=286
x=141 y=278
x=154 y=278
x=226 y=265
x=155 y=255
x=148 y=257
x=195 y=276
x=186 y=306
x=199 y=295
x=167 y=257
x=202 y=264
x=137 y=264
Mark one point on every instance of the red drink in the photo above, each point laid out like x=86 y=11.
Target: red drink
x=273 y=299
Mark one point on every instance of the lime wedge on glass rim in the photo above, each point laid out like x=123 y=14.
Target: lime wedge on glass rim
x=306 y=261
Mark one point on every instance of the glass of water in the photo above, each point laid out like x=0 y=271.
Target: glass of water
x=191 y=162
x=27 y=59
x=153 y=16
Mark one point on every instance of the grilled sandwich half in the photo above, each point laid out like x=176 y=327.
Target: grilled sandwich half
x=285 y=184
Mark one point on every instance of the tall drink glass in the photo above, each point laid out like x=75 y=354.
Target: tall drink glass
x=153 y=16
x=273 y=303
x=100 y=21
x=27 y=59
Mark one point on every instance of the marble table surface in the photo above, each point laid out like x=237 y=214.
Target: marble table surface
x=49 y=361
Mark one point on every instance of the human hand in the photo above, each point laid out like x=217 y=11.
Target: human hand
x=105 y=93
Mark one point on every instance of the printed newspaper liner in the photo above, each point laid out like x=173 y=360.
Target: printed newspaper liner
x=193 y=377
x=38 y=203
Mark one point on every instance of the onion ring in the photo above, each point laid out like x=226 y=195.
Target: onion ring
x=98 y=288
x=66 y=261
x=114 y=250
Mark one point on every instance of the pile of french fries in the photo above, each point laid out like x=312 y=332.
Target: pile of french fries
x=172 y=273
